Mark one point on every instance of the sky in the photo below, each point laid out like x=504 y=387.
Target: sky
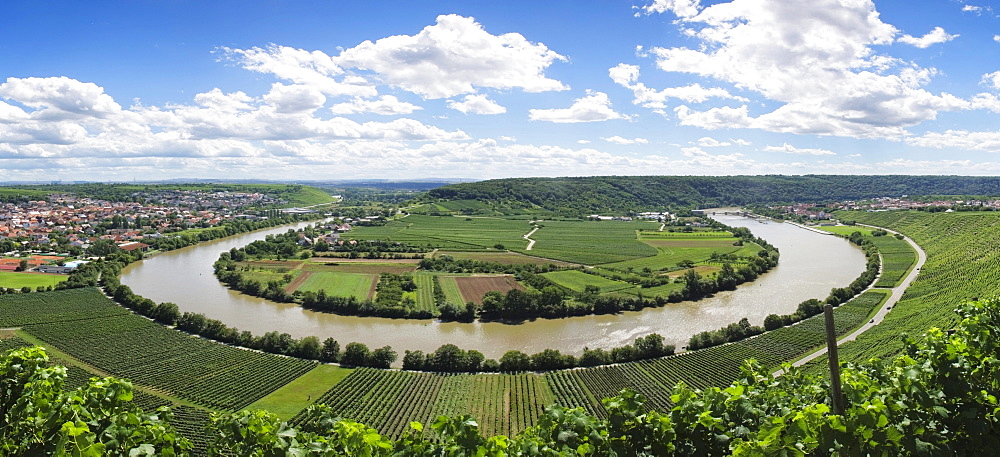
x=328 y=90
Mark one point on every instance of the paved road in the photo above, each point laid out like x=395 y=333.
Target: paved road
x=895 y=295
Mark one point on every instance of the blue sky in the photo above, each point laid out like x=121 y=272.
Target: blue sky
x=137 y=90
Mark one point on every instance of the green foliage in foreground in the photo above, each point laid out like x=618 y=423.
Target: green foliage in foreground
x=938 y=398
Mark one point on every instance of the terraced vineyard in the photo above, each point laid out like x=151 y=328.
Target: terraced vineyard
x=963 y=262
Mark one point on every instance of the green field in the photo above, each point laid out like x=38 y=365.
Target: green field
x=450 y=288
x=339 y=284
x=17 y=280
x=447 y=232
x=845 y=230
x=591 y=243
x=578 y=280
x=295 y=396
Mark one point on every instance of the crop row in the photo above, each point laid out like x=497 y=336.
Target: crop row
x=715 y=366
x=133 y=347
x=62 y=305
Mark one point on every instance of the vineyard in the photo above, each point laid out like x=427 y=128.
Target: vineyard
x=88 y=326
x=389 y=401
x=963 y=263
x=897 y=258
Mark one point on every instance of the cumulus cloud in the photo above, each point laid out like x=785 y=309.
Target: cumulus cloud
x=454 y=57
x=311 y=68
x=594 y=107
x=619 y=140
x=60 y=97
x=962 y=139
x=818 y=64
x=477 y=104
x=789 y=149
x=681 y=8
x=938 y=35
x=296 y=98
x=386 y=105
x=71 y=119
x=628 y=76
x=709 y=142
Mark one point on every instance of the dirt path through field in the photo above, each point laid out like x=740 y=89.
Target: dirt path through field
x=531 y=242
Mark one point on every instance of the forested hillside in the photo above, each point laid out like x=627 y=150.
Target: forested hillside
x=637 y=193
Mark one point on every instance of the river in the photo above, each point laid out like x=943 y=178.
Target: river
x=811 y=264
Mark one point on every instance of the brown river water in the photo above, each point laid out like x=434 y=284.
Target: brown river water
x=811 y=264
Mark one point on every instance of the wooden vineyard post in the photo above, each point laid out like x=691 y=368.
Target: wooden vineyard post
x=831 y=353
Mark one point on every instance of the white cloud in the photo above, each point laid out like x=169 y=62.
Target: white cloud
x=628 y=75
x=60 y=97
x=740 y=141
x=972 y=8
x=789 y=149
x=594 y=107
x=229 y=103
x=386 y=105
x=583 y=141
x=709 y=142
x=315 y=69
x=477 y=104
x=697 y=156
x=818 y=63
x=938 y=35
x=619 y=140
x=996 y=38
x=296 y=98
x=454 y=57
x=715 y=118
x=682 y=8
x=961 y=139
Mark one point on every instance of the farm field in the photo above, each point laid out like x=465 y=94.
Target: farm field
x=90 y=327
x=450 y=288
x=506 y=258
x=339 y=284
x=474 y=288
x=295 y=396
x=578 y=280
x=963 y=263
x=17 y=280
x=845 y=230
x=447 y=232
x=591 y=243
x=897 y=259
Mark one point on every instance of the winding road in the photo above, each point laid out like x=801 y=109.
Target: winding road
x=894 y=296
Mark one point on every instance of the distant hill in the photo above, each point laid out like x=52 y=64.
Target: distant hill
x=637 y=193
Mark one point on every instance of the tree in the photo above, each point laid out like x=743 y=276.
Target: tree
x=308 y=348
x=381 y=357
x=355 y=354
x=22 y=265
x=514 y=361
x=330 y=351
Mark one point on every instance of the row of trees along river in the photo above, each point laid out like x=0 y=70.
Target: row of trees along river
x=811 y=264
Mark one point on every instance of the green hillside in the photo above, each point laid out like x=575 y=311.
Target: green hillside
x=587 y=195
